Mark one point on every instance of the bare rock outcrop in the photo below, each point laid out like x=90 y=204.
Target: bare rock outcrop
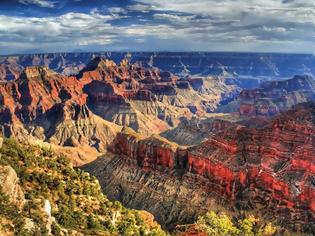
x=9 y=183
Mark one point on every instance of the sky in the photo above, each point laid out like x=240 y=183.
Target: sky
x=33 y=26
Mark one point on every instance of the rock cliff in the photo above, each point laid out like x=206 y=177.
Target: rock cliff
x=137 y=96
x=269 y=170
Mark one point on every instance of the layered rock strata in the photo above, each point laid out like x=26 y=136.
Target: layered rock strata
x=269 y=170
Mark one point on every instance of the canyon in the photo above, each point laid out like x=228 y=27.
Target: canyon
x=56 y=107
x=175 y=134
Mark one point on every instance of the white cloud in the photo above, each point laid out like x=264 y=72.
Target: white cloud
x=41 y=3
x=173 y=17
x=140 y=7
x=69 y=30
x=267 y=21
x=274 y=29
x=295 y=10
x=117 y=10
x=174 y=25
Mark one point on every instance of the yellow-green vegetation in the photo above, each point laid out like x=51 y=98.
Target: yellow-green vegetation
x=129 y=131
x=76 y=199
x=172 y=145
x=222 y=225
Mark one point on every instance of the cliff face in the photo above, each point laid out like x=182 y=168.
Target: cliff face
x=37 y=92
x=44 y=105
x=10 y=69
x=197 y=130
x=267 y=169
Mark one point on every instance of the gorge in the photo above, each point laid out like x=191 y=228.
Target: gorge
x=174 y=144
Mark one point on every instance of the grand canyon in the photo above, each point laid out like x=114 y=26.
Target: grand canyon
x=175 y=144
x=157 y=118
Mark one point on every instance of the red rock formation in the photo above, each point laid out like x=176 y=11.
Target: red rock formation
x=271 y=166
x=48 y=106
x=125 y=79
x=36 y=92
x=141 y=94
x=150 y=153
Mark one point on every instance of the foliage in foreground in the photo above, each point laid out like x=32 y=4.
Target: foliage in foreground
x=77 y=202
x=220 y=224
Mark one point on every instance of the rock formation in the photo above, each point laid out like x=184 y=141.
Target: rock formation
x=9 y=183
x=196 y=130
x=241 y=162
x=136 y=96
x=44 y=105
x=273 y=97
x=268 y=169
x=10 y=69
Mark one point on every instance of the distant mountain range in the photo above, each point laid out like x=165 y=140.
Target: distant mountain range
x=274 y=65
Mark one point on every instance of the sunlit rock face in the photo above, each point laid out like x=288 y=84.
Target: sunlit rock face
x=70 y=110
x=147 y=99
x=10 y=186
x=268 y=169
x=44 y=105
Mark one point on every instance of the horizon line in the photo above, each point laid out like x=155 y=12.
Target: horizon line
x=158 y=51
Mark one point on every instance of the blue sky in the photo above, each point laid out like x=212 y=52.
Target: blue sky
x=28 y=26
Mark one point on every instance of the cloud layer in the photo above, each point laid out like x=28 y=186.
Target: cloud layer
x=150 y=25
